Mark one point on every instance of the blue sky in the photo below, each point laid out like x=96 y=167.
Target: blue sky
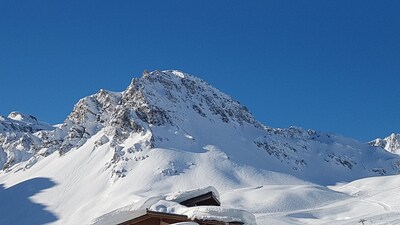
x=328 y=65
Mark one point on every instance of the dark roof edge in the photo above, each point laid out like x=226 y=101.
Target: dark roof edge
x=155 y=213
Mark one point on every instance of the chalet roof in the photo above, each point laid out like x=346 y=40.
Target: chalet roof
x=182 y=196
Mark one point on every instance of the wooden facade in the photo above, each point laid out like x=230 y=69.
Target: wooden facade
x=205 y=199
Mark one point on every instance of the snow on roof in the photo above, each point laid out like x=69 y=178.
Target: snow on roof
x=217 y=213
x=117 y=217
x=127 y=212
x=185 y=223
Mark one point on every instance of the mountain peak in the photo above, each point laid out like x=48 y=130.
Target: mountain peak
x=390 y=143
x=18 y=116
x=172 y=90
x=166 y=73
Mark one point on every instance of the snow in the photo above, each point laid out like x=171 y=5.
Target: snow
x=185 y=223
x=17 y=117
x=219 y=214
x=177 y=73
x=117 y=217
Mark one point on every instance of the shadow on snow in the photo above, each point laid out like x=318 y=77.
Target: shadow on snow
x=16 y=207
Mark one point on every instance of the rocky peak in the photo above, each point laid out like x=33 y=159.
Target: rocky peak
x=159 y=95
x=158 y=98
x=88 y=116
x=95 y=108
x=390 y=143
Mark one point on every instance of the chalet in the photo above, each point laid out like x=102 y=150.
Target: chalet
x=148 y=217
x=192 y=200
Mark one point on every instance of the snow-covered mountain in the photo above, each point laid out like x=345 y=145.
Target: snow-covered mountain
x=170 y=131
x=390 y=143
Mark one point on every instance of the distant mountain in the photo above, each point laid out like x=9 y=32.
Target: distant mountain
x=19 y=122
x=166 y=132
x=390 y=143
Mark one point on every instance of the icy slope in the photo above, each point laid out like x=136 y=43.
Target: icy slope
x=170 y=131
x=391 y=143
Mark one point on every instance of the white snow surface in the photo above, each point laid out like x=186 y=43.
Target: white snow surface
x=186 y=223
x=169 y=132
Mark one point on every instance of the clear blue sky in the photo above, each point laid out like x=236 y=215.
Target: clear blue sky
x=328 y=65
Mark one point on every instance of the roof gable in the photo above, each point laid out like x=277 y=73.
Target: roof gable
x=205 y=199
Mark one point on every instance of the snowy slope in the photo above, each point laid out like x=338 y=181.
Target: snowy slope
x=170 y=131
x=370 y=200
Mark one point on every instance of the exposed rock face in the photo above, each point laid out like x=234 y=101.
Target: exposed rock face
x=391 y=143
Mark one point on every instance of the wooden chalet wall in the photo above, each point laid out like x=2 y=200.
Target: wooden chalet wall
x=156 y=218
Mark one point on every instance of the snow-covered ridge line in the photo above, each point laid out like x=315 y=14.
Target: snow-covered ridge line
x=174 y=110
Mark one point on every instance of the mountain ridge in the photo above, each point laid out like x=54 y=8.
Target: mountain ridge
x=175 y=101
x=170 y=131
